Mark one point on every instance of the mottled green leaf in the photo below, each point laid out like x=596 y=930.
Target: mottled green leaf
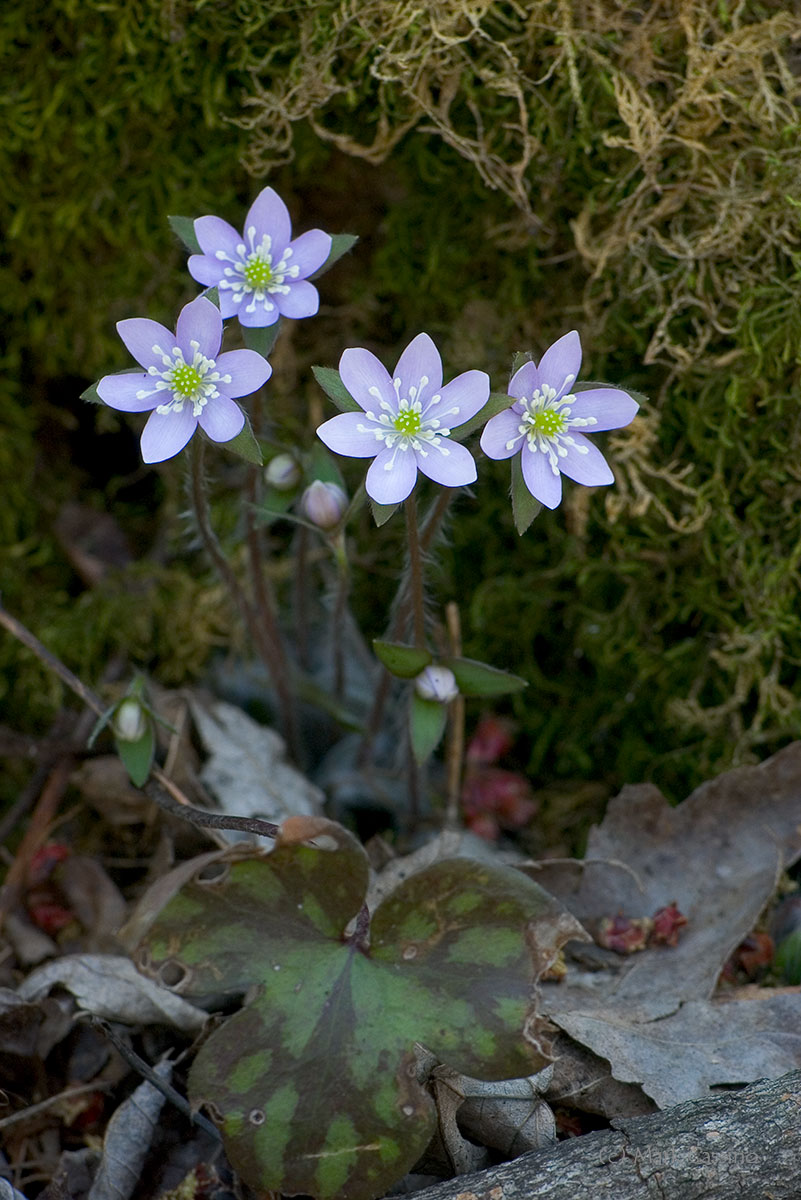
x=331 y=383
x=524 y=507
x=427 y=719
x=314 y=1084
x=480 y=679
x=184 y=228
x=400 y=660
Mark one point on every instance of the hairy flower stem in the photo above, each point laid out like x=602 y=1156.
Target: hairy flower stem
x=432 y=524
x=264 y=635
x=339 y=613
x=454 y=755
x=415 y=571
x=266 y=616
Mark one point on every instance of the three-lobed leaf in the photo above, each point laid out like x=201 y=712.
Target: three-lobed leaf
x=314 y=1083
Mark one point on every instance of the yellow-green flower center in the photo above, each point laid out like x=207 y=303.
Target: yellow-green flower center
x=258 y=272
x=547 y=421
x=185 y=380
x=407 y=421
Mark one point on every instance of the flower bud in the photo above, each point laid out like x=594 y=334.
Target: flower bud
x=436 y=683
x=130 y=720
x=282 y=473
x=324 y=504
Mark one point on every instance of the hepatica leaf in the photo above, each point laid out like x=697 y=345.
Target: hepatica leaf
x=314 y=1083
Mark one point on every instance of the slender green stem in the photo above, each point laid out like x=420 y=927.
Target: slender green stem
x=432 y=524
x=264 y=634
x=415 y=571
x=269 y=633
x=339 y=613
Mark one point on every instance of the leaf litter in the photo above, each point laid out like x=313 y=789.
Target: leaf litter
x=628 y=1032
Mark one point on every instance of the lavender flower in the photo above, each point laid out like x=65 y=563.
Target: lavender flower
x=263 y=274
x=407 y=419
x=544 y=423
x=186 y=384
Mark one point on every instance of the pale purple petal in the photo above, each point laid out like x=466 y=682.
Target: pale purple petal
x=167 y=433
x=228 y=306
x=453 y=465
x=208 y=271
x=590 y=468
x=343 y=435
x=269 y=214
x=140 y=335
x=301 y=300
x=214 y=234
x=120 y=392
x=525 y=380
x=360 y=370
x=540 y=479
x=420 y=358
x=199 y=321
x=259 y=318
x=499 y=431
x=248 y=371
x=611 y=408
x=561 y=362
x=392 y=476
x=460 y=399
x=309 y=251
x=222 y=418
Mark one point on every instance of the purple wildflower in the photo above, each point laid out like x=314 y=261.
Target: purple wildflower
x=262 y=274
x=186 y=383
x=545 y=419
x=407 y=419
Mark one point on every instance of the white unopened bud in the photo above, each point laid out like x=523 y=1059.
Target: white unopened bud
x=324 y=504
x=436 y=683
x=282 y=473
x=130 y=720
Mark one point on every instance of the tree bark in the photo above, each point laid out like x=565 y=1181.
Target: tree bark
x=743 y=1145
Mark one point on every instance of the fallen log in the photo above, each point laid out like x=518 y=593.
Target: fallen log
x=743 y=1145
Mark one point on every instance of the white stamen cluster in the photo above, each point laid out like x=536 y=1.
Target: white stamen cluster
x=192 y=383
x=253 y=272
x=546 y=422
x=404 y=426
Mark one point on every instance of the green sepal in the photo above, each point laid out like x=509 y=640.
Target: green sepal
x=101 y=723
x=427 y=719
x=261 y=338
x=405 y=662
x=244 y=445
x=479 y=679
x=323 y=466
x=588 y=385
x=497 y=402
x=137 y=757
x=524 y=506
x=341 y=243
x=184 y=228
x=91 y=395
x=520 y=359
x=788 y=956
x=331 y=383
x=382 y=512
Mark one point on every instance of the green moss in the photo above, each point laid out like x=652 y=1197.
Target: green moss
x=513 y=171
